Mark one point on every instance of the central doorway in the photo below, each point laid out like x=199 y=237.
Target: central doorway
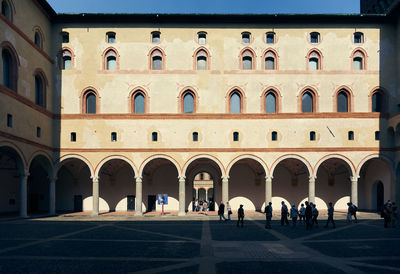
x=203 y=192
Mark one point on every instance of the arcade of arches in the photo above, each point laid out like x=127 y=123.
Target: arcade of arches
x=72 y=185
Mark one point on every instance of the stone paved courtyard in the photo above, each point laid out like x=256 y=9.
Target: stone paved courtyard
x=198 y=245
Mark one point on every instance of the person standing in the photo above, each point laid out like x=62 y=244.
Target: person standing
x=196 y=205
x=293 y=214
x=394 y=218
x=308 y=212
x=229 y=209
x=353 y=212
x=331 y=210
x=349 y=210
x=315 y=214
x=221 y=210
x=302 y=214
x=268 y=215
x=284 y=214
x=240 y=216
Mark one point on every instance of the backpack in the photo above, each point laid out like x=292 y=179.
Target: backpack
x=355 y=209
x=315 y=212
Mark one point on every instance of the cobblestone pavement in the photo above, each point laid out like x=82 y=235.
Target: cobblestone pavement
x=194 y=245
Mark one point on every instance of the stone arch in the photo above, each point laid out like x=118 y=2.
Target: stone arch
x=375 y=156
x=247 y=156
x=115 y=157
x=338 y=156
x=163 y=156
x=18 y=153
x=294 y=156
x=58 y=164
x=207 y=156
x=48 y=166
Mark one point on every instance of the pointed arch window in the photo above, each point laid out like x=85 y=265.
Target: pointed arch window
x=188 y=102
x=314 y=61
x=377 y=101
x=10 y=69
x=157 y=60
x=111 y=60
x=90 y=102
x=247 y=60
x=270 y=102
x=270 y=60
x=38 y=39
x=201 y=60
x=307 y=101
x=40 y=90
x=66 y=60
x=358 y=60
x=139 y=102
x=235 y=102
x=343 y=101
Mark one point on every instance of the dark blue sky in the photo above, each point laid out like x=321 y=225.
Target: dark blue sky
x=205 y=6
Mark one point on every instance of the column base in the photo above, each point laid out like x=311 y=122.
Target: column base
x=95 y=214
x=139 y=214
x=24 y=216
x=182 y=214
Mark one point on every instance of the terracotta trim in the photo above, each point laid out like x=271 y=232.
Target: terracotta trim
x=241 y=93
x=208 y=56
x=60 y=57
x=320 y=59
x=104 y=58
x=163 y=56
x=131 y=99
x=314 y=94
x=5 y=45
x=82 y=98
x=27 y=39
x=278 y=98
x=222 y=116
x=40 y=73
x=12 y=10
x=38 y=29
x=385 y=98
x=276 y=59
x=297 y=72
x=365 y=56
x=16 y=148
x=182 y=94
x=25 y=101
x=24 y=140
x=350 y=96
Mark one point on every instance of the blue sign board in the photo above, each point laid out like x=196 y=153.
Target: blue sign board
x=162 y=199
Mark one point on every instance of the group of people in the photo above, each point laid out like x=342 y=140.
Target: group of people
x=221 y=211
x=307 y=214
x=201 y=206
x=389 y=214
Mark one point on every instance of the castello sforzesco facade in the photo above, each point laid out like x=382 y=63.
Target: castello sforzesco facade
x=102 y=112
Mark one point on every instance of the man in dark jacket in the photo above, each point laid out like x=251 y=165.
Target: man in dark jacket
x=308 y=216
x=221 y=210
x=284 y=214
x=240 y=215
x=330 y=215
x=268 y=215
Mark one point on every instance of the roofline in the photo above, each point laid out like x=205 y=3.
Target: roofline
x=218 y=18
x=46 y=8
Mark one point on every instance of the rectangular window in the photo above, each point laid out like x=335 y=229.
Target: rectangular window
x=195 y=137
x=312 y=136
x=73 y=136
x=9 y=120
x=111 y=37
x=202 y=38
x=38 y=132
x=155 y=37
x=154 y=136
x=274 y=136
x=113 y=136
x=377 y=135
x=65 y=37
x=246 y=38
x=351 y=135
x=236 y=136
x=270 y=38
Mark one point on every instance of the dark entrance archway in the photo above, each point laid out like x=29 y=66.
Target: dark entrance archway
x=40 y=171
x=377 y=196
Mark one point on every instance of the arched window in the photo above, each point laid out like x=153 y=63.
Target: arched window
x=90 y=102
x=358 y=60
x=314 y=61
x=343 y=101
x=38 y=39
x=195 y=136
x=66 y=60
x=247 y=60
x=274 y=136
x=201 y=60
x=235 y=102
x=6 y=10
x=10 y=67
x=156 y=60
x=270 y=102
x=139 y=102
x=358 y=38
x=188 y=102
x=40 y=91
x=270 y=37
x=377 y=101
x=111 y=60
x=307 y=101
x=270 y=63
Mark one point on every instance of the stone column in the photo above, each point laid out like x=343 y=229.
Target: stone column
x=206 y=194
x=52 y=196
x=268 y=190
x=95 y=196
x=311 y=189
x=182 y=181
x=197 y=193
x=23 y=208
x=138 y=196
x=354 y=190
x=225 y=191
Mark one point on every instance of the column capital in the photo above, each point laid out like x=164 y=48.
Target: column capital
x=95 y=179
x=139 y=179
x=268 y=177
x=52 y=178
x=225 y=178
x=25 y=173
x=312 y=178
x=354 y=178
x=181 y=178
